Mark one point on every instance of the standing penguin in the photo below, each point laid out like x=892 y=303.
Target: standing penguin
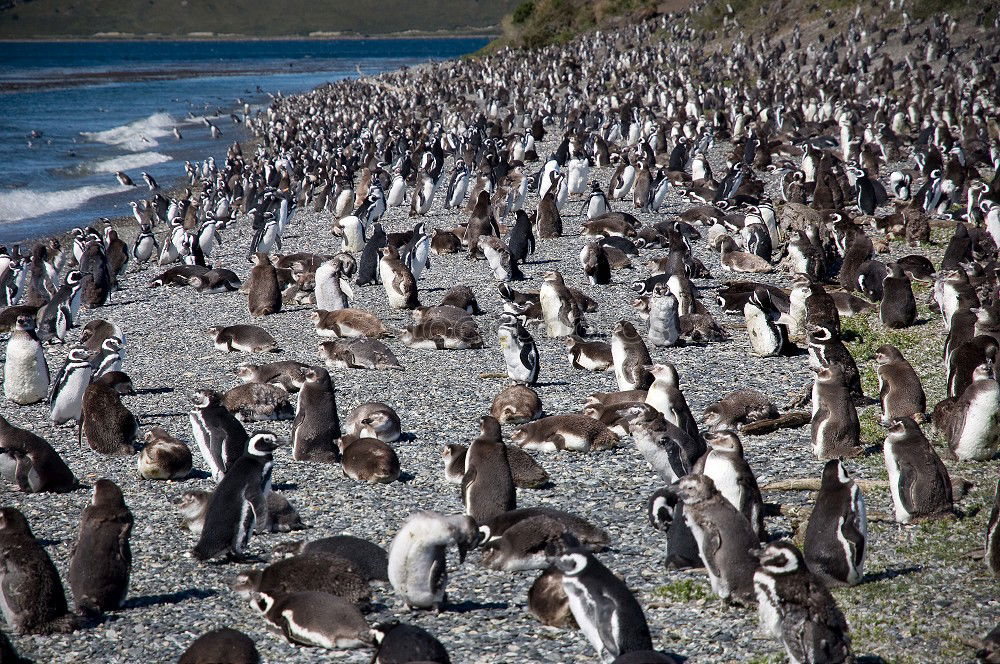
x=836 y=430
x=487 y=485
x=417 y=564
x=767 y=337
x=837 y=532
x=898 y=307
x=725 y=464
x=521 y=239
x=971 y=423
x=317 y=425
x=664 y=322
x=25 y=371
x=918 y=481
x=796 y=607
x=724 y=537
x=68 y=387
x=397 y=280
x=630 y=357
x=220 y=437
x=665 y=396
x=899 y=386
x=596 y=203
x=101 y=561
x=605 y=609
x=595 y=263
x=31 y=593
x=519 y=350
x=329 y=292
x=368 y=272
x=262 y=287
x=560 y=310
x=110 y=427
x=239 y=503
x=416 y=253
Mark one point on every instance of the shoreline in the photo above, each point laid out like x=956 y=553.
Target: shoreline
x=490 y=33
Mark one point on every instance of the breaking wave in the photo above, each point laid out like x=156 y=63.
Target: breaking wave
x=135 y=136
x=25 y=203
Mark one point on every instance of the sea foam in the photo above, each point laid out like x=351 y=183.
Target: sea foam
x=26 y=203
x=123 y=163
x=135 y=136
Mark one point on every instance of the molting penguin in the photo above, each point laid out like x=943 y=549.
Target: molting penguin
x=360 y=353
x=588 y=355
x=669 y=450
x=28 y=462
x=836 y=538
x=164 y=457
x=324 y=573
x=101 y=562
x=243 y=338
x=369 y=559
x=918 y=481
x=25 y=371
x=899 y=386
x=739 y=407
x=264 y=294
x=110 y=427
x=971 y=423
x=631 y=357
x=519 y=351
x=595 y=263
x=487 y=484
x=316 y=427
x=664 y=322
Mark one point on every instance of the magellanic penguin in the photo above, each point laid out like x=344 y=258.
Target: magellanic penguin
x=725 y=464
x=664 y=319
x=560 y=310
x=588 y=355
x=487 y=483
x=164 y=457
x=918 y=481
x=358 y=353
x=69 y=385
x=101 y=562
x=526 y=545
x=417 y=563
x=370 y=560
x=25 y=371
x=836 y=430
x=243 y=338
x=595 y=263
x=318 y=619
x=221 y=645
x=239 y=503
x=262 y=287
x=220 y=437
x=31 y=594
x=397 y=280
x=374 y=420
x=836 y=538
x=971 y=423
x=28 y=462
x=368 y=460
x=575 y=433
x=667 y=448
x=768 y=337
x=631 y=357
x=397 y=642
x=897 y=308
x=605 y=609
x=665 y=396
x=739 y=407
x=327 y=573
x=899 y=386
x=547 y=600
x=110 y=427
x=796 y=607
x=724 y=537
x=316 y=427
x=519 y=351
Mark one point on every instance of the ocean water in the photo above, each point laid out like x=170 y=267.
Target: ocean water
x=74 y=113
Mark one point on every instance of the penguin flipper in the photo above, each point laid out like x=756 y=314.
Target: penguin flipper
x=710 y=546
x=605 y=610
x=21 y=472
x=258 y=507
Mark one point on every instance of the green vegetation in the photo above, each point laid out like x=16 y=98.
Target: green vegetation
x=50 y=18
x=537 y=23
x=684 y=590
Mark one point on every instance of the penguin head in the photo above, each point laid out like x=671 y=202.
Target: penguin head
x=695 y=488
x=107 y=492
x=25 y=323
x=572 y=563
x=779 y=558
x=246 y=372
x=902 y=428
x=489 y=428
x=819 y=333
x=887 y=353
x=834 y=474
x=12 y=522
x=262 y=443
x=205 y=398
x=245 y=584
x=665 y=373
x=724 y=441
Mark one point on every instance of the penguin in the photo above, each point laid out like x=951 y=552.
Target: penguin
x=739 y=407
x=28 y=462
x=444 y=242
x=665 y=512
x=25 y=371
x=587 y=535
x=69 y=385
x=665 y=396
x=726 y=465
x=724 y=537
x=368 y=264
x=519 y=351
x=835 y=428
x=576 y=433
x=286 y=373
x=316 y=428
x=220 y=437
x=369 y=559
x=795 y=606
x=602 y=605
x=417 y=565
x=596 y=202
x=217 y=280
x=243 y=338
x=374 y=420
x=396 y=643
x=348 y=323
x=238 y=504
x=397 y=280
x=826 y=349
x=32 y=598
x=992 y=552
x=316 y=618
x=101 y=560
x=900 y=391
x=918 y=481
x=588 y=355
x=164 y=457
x=664 y=321
x=594 y=261
x=768 y=337
x=262 y=287
x=193 y=505
x=503 y=267
x=329 y=292
x=560 y=310
x=897 y=308
x=548 y=221
x=669 y=450
x=548 y=602
x=836 y=539
x=630 y=357
x=971 y=423
x=110 y=427
x=221 y=646
x=487 y=483
x=516 y=404
x=416 y=252
x=324 y=573
x=258 y=402
x=368 y=460
x=524 y=470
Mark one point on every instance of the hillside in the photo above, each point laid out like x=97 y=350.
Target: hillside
x=55 y=18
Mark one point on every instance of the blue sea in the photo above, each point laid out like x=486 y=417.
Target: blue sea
x=74 y=113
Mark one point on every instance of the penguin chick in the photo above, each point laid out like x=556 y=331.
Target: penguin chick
x=918 y=481
x=221 y=646
x=30 y=464
x=368 y=460
x=397 y=643
x=548 y=602
x=900 y=391
x=516 y=404
x=301 y=573
x=576 y=433
x=109 y=426
x=370 y=560
x=374 y=420
x=487 y=483
x=101 y=561
x=739 y=407
x=164 y=457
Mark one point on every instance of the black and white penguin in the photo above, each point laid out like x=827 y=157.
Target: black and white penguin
x=900 y=391
x=25 y=371
x=971 y=422
x=725 y=464
x=602 y=605
x=28 y=462
x=396 y=643
x=630 y=357
x=101 y=562
x=827 y=349
x=520 y=353
x=836 y=539
x=596 y=202
x=560 y=310
x=521 y=239
x=69 y=385
x=595 y=264
x=397 y=280
x=417 y=563
x=487 y=483
x=109 y=426
x=164 y=457
x=318 y=619
x=867 y=198
x=665 y=396
x=324 y=573
x=316 y=427
x=525 y=545
x=836 y=430
x=796 y=607
x=918 y=481
x=670 y=451
x=223 y=645
x=415 y=254
x=664 y=318
x=239 y=503
x=724 y=537
x=768 y=337
x=31 y=595
x=220 y=437
x=368 y=264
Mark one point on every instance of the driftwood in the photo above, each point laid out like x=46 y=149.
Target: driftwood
x=791 y=420
x=812 y=484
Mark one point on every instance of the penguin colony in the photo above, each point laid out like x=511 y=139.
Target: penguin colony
x=510 y=371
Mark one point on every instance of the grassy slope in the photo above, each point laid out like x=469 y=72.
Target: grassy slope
x=247 y=17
